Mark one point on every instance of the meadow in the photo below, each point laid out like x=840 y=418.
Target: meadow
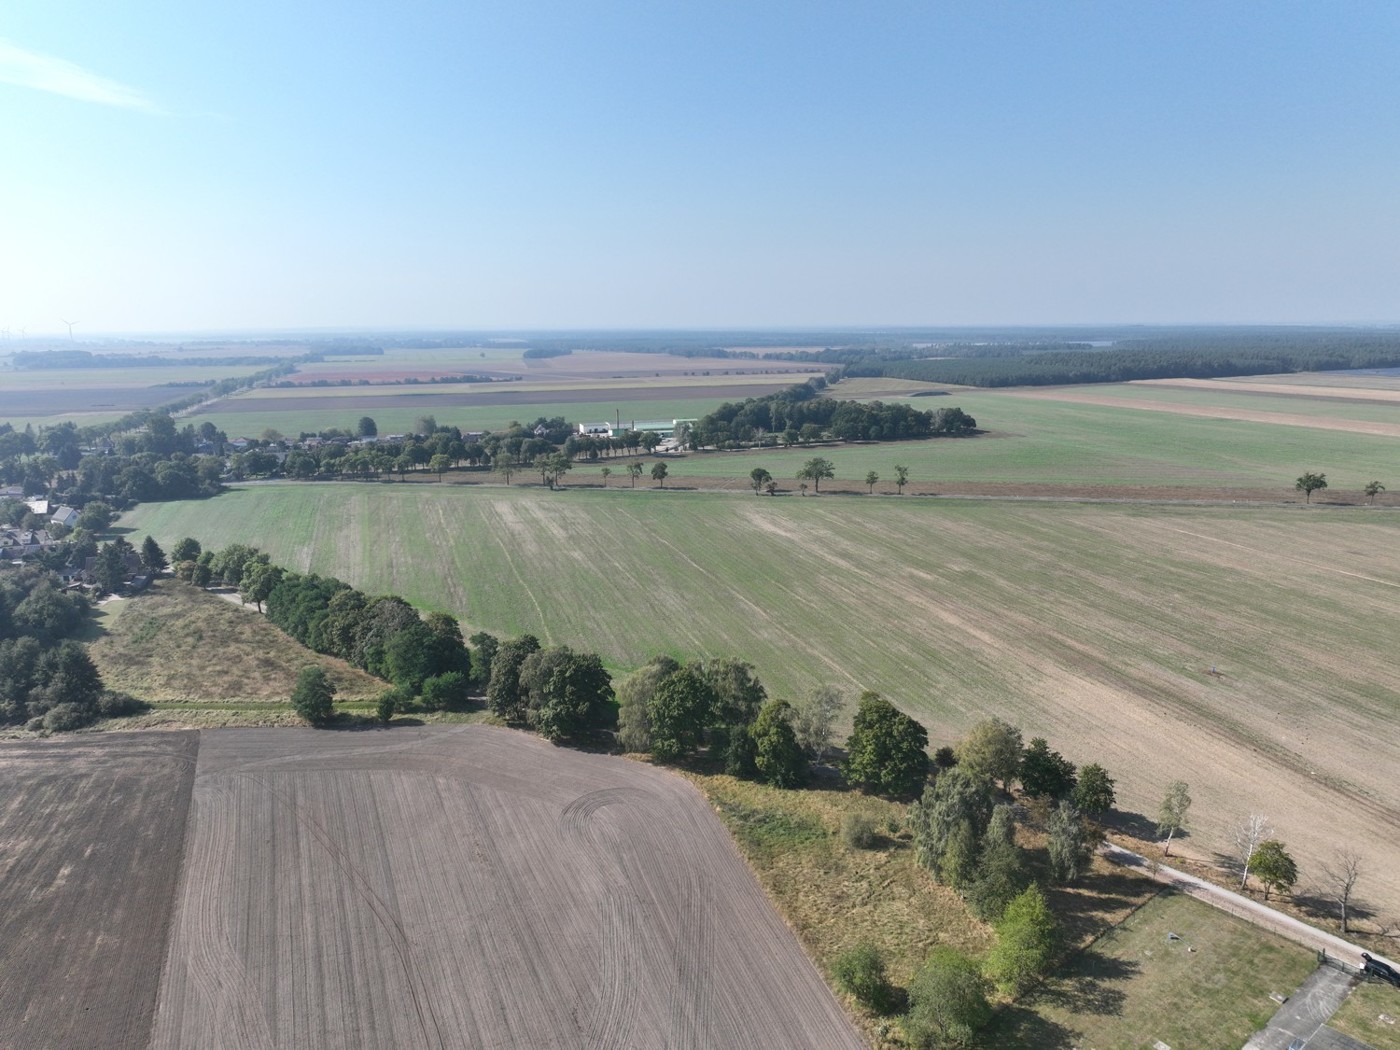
x=1096 y=626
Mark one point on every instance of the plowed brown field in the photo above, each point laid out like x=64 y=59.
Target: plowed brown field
x=91 y=835
x=469 y=887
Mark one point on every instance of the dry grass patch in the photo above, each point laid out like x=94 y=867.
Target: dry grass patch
x=1372 y=1014
x=177 y=643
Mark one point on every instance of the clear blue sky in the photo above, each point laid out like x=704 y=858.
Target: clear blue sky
x=187 y=166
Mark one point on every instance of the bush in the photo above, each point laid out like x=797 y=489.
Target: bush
x=445 y=692
x=312 y=697
x=861 y=972
x=112 y=704
x=62 y=718
x=858 y=831
x=947 y=1002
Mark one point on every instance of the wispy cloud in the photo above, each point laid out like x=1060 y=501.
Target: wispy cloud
x=61 y=77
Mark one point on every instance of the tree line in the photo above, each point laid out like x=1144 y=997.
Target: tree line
x=798 y=415
x=47 y=679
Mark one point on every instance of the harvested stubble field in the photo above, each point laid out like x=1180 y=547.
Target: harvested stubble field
x=92 y=832
x=469 y=887
x=1094 y=626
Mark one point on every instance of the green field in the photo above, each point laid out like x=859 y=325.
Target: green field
x=1134 y=987
x=1093 y=625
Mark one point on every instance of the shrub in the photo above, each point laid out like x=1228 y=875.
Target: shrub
x=62 y=718
x=312 y=696
x=947 y=1002
x=858 y=831
x=112 y=704
x=860 y=971
x=445 y=692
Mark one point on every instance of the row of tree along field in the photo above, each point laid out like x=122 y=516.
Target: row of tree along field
x=969 y=804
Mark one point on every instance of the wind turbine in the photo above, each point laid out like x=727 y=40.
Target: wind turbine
x=70 y=325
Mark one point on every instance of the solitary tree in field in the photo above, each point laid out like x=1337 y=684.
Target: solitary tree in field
x=1374 y=489
x=1274 y=867
x=367 y=427
x=901 y=477
x=1171 y=818
x=634 y=471
x=659 y=472
x=758 y=478
x=1251 y=832
x=1310 y=483
x=607 y=473
x=870 y=480
x=312 y=697
x=815 y=470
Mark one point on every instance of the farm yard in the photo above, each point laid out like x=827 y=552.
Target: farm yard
x=1095 y=626
x=470 y=887
x=92 y=831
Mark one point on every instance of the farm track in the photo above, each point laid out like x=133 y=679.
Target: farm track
x=469 y=887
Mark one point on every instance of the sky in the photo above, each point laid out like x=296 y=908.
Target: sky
x=168 y=166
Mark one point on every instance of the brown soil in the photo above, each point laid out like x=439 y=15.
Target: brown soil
x=92 y=832
x=470 y=887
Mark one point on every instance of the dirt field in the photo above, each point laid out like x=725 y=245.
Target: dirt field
x=91 y=835
x=470 y=887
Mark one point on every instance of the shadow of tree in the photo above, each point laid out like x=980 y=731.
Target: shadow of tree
x=1136 y=825
x=1089 y=985
x=1018 y=1025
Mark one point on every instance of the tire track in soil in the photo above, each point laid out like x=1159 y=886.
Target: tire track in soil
x=614 y=1014
x=213 y=962
x=690 y=1005
x=422 y=1002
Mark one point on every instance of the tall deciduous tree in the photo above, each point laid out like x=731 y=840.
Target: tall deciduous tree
x=1171 y=815
x=567 y=693
x=634 y=695
x=777 y=754
x=758 y=478
x=1339 y=883
x=901 y=477
x=1046 y=773
x=1027 y=937
x=680 y=709
x=993 y=748
x=949 y=823
x=1093 y=794
x=886 y=751
x=1374 y=489
x=504 y=694
x=659 y=471
x=1068 y=842
x=1274 y=867
x=1309 y=483
x=870 y=479
x=816 y=470
x=1249 y=833
x=814 y=718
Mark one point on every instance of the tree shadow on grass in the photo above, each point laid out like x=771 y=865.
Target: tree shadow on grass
x=1090 y=985
x=1018 y=1025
